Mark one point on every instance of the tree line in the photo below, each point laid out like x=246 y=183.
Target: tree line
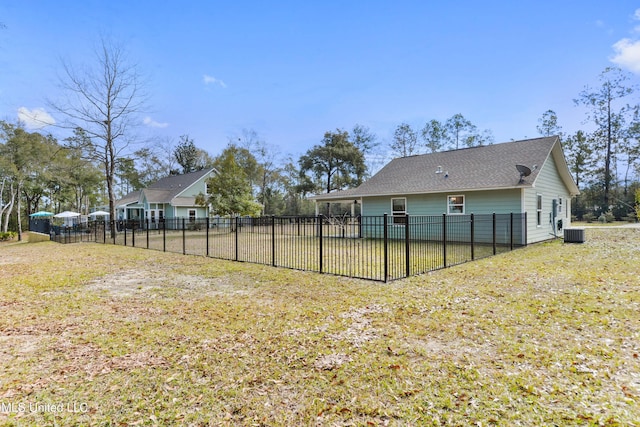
x=100 y=163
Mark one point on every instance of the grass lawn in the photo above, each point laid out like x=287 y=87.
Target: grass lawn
x=596 y=223
x=94 y=334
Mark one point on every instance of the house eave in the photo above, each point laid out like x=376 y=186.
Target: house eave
x=319 y=198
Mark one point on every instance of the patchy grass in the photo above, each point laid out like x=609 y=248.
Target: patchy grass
x=597 y=223
x=106 y=335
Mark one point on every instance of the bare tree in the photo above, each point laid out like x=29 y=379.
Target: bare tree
x=101 y=104
x=548 y=124
x=434 y=135
x=608 y=110
x=405 y=141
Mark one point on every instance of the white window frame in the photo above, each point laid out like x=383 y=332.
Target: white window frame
x=398 y=217
x=195 y=215
x=453 y=205
x=538 y=210
x=559 y=206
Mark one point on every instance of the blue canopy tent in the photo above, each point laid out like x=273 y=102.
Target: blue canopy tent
x=40 y=222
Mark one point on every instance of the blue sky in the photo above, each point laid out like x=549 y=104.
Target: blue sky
x=291 y=70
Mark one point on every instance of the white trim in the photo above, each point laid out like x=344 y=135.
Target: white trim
x=464 y=202
x=413 y=193
x=393 y=214
x=539 y=210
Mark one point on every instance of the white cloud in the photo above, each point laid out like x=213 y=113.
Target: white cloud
x=152 y=123
x=627 y=54
x=212 y=80
x=627 y=51
x=36 y=118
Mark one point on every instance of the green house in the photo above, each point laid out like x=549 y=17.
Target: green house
x=521 y=177
x=168 y=198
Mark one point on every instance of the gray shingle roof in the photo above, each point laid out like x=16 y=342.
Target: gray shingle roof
x=469 y=169
x=133 y=197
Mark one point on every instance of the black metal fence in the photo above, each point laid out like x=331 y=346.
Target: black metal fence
x=379 y=248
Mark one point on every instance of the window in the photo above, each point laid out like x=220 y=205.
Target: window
x=539 y=211
x=192 y=215
x=206 y=188
x=455 y=204
x=399 y=210
x=559 y=206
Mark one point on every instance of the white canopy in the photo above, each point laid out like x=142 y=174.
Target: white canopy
x=99 y=213
x=67 y=214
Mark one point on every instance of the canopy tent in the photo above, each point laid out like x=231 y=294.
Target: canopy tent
x=67 y=214
x=69 y=218
x=99 y=213
x=41 y=214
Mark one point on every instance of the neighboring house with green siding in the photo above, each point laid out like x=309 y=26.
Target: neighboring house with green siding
x=170 y=197
x=478 y=180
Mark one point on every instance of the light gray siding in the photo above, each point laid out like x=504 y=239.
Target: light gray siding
x=478 y=202
x=551 y=187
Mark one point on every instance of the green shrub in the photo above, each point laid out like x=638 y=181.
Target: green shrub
x=589 y=217
x=7 y=236
x=609 y=216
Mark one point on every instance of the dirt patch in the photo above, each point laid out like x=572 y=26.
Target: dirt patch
x=330 y=362
x=360 y=331
x=14 y=346
x=144 y=282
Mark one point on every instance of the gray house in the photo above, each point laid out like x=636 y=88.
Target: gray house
x=529 y=176
x=170 y=197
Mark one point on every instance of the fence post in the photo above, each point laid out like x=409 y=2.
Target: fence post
x=473 y=238
x=104 y=231
x=494 y=233
x=273 y=240
x=125 y=233
x=511 y=229
x=444 y=240
x=146 y=224
x=164 y=235
x=406 y=247
x=237 y=222
x=184 y=238
x=319 y=220
x=525 y=225
x=207 y=238
x=385 y=225
x=133 y=234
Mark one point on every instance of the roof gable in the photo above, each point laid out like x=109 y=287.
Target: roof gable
x=166 y=189
x=478 y=168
